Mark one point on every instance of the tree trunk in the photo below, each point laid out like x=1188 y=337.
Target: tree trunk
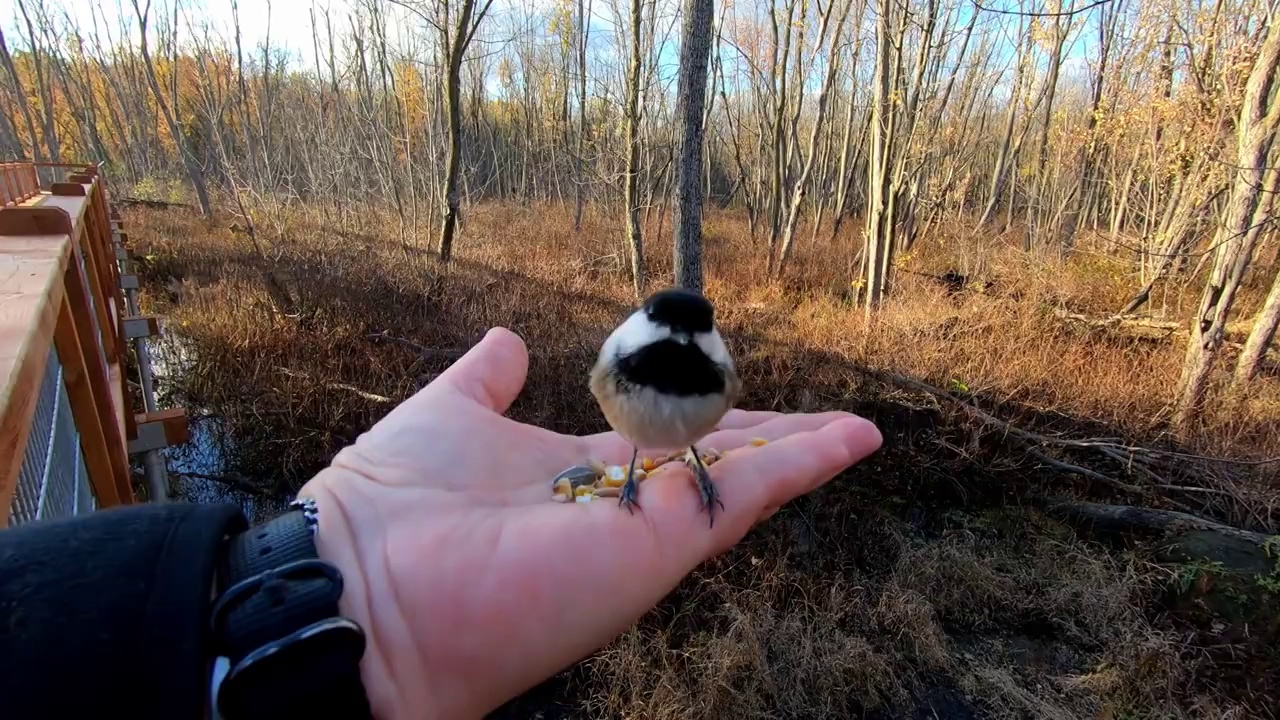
x=584 y=21
x=630 y=192
x=1000 y=172
x=1264 y=332
x=43 y=86
x=194 y=171
x=797 y=192
x=1264 y=326
x=880 y=207
x=21 y=94
x=462 y=32
x=1238 y=234
x=695 y=47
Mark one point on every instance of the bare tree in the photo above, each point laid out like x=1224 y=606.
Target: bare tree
x=833 y=67
x=457 y=38
x=580 y=181
x=632 y=173
x=695 y=46
x=20 y=93
x=194 y=171
x=1242 y=223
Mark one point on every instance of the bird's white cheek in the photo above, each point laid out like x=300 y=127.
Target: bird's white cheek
x=713 y=345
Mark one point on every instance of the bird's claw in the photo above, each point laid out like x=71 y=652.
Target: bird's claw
x=706 y=488
x=627 y=496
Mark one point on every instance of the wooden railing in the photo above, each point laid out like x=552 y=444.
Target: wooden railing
x=18 y=182
x=66 y=420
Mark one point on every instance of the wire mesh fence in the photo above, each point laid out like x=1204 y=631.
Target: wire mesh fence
x=52 y=482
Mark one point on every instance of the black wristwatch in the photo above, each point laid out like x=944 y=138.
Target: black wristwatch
x=288 y=652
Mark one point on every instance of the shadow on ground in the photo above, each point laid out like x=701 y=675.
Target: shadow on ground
x=925 y=582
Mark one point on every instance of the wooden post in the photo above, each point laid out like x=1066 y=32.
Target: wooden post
x=100 y=284
x=95 y=367
x=93 y=433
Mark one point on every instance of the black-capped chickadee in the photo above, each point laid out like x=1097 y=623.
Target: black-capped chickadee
x=664 y=379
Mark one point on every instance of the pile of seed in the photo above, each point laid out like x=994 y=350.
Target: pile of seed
x=585 y=483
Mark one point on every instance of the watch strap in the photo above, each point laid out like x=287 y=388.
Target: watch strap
x=277 y=622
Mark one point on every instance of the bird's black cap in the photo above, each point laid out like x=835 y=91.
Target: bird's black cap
x=680 y=310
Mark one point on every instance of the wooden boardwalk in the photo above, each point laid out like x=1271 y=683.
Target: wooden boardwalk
x=68 y=423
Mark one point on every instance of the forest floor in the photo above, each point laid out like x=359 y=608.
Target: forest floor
x=947 y=576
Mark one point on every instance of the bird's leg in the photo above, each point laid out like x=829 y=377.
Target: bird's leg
x=627 y=497
x=706 y=488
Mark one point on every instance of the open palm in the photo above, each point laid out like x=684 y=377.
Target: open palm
x=473 y=586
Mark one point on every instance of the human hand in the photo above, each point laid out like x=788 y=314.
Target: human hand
x=472 y=586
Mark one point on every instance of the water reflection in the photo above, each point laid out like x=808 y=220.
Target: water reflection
x=200 y=471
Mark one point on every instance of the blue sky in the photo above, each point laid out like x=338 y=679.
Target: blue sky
x=288 y=24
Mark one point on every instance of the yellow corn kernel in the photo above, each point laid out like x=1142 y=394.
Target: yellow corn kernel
x=757 y=442
x=582 y=490
x=617 y=476
x=648 y=464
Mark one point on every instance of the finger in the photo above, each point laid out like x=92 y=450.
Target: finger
x=749 y=483
x=610 y=447
x=734 y=419
x=636 y=559
x=737 y=419
x=492 y=373
x=779 y=472
x=773 y=429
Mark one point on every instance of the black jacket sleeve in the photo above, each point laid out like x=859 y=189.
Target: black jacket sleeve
x=108 y=613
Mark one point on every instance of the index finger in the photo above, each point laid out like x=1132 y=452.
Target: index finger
x=751 y=481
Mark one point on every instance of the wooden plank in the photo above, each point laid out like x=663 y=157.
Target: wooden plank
x=77 y=371
x=106 y=255
x=96 y=368
x=70 y=189
x=36 y=221
x=31 y=271
x=140 y=326
x=100 y=297
x=124 y=423
x=120 y=389
x=43 y=219
x=173 y=421
x=101 y=243
x=72 y=205
x=100 y=206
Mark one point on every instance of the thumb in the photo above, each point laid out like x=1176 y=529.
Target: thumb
x=492 y=373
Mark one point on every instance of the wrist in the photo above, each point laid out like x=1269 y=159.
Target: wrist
x=338 y=543
x=280 y=621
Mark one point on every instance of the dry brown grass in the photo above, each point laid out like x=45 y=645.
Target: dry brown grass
x=922 y=584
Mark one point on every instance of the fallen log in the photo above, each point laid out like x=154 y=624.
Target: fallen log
x=1133 y=324
x=153 y=204
x=1127 y=518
